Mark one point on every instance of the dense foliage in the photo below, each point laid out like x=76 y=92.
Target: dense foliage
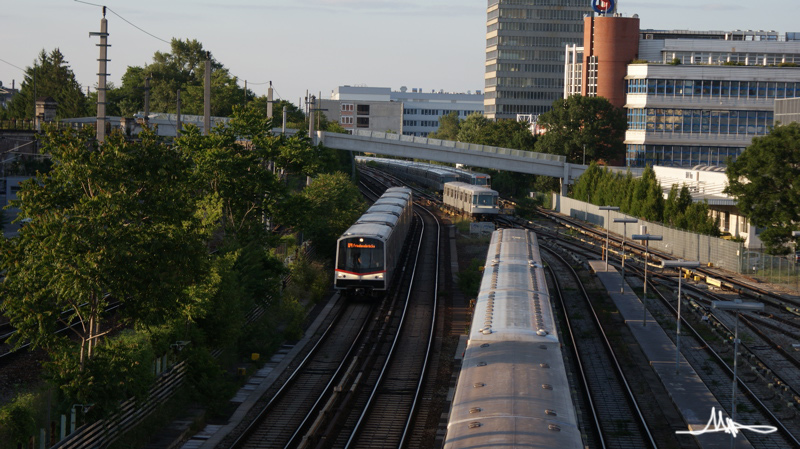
x=643 y=198
x=765 y=180
x=183 y=67
x=176 y=232
x=581 y=128
x=52 y=77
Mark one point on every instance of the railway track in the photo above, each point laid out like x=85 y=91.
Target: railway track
x=354 y=397
x=613 y=413
x=715 y=367
x=394 y=414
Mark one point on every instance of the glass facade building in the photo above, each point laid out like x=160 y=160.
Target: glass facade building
x=525 y=42
x=686 y=115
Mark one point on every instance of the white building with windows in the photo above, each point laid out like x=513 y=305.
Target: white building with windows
x=409 y=112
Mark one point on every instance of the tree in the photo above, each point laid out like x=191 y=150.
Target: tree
x=474 y=129
x=110 y=222
x=583 y=123
x=230 y=166
x=50 y=76
x=324 y=210
x=182 y=68
x=764 y=181
x=449 y=125
x=511 y=134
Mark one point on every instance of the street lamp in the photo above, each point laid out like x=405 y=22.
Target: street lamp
x=646 y=238
x=608 y=225
x=624 y=222
x=680 y=265
x=737 y=306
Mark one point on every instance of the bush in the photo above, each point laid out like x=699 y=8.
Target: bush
x=18 y=421
x=120 y=368
x=469 y=280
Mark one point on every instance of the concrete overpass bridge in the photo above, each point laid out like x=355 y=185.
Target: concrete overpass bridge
x=505 y=159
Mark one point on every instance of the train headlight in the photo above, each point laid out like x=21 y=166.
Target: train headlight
x=379 y=276
x=341 y=275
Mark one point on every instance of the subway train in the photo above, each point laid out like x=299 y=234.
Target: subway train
x=512 y=390
x=430 y=176
x=367 y=253
x=473 y=201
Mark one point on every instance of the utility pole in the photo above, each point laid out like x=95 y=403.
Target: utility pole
x=310 y=107
x=102 y=76
x=178 y=113
x=207 y=102
x=245 y=92
x=269 y=101
x=147 y=100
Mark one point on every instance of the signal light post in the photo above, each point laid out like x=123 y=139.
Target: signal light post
x=608 y=225
x=624 y=222
x=646 y=238
x=737 y=306
x=680 y=265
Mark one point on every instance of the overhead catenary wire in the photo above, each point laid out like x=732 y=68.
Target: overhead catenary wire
x=12 y=65
x=145 y=32
x=126 y=21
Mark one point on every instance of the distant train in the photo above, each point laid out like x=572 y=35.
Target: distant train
x=368 y=252
x=477 y=202
x=464 y=192
x=430 y=176
x=512 y=390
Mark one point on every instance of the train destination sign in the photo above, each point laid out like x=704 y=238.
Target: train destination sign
x=603 y=6
x=360 y=245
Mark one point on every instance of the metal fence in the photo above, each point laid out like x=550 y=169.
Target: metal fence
x=720 y=253
x=726 y=254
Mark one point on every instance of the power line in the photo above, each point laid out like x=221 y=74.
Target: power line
x=126 y=20
x=12 y=65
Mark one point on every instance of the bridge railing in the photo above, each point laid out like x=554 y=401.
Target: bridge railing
x=461 y=145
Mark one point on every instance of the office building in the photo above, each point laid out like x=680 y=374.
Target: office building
x=692 y=97
x=525 y=42
x=409 y=112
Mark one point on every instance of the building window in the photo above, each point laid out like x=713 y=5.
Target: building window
x=362 y=109
x=346 y=120
x=362 y=122
x=347 y=107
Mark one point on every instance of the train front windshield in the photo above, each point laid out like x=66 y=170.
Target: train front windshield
x=485 y=199
x=360 y=255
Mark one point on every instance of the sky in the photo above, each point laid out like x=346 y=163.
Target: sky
x=317 y=45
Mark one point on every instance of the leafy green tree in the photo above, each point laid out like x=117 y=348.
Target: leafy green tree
x=110 y=222
x=764 y=181
x=50 y=76
x=182 y=68
x=230 y=165
x=578 y=123
x=474 y=129
x=511 y=134
x=294 y=115
x=449 y=125
x=324 y=210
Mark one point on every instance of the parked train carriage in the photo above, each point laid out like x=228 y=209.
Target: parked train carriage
x=368 y=252
x=512 y=390
x=475 y=178
x=469 y=200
